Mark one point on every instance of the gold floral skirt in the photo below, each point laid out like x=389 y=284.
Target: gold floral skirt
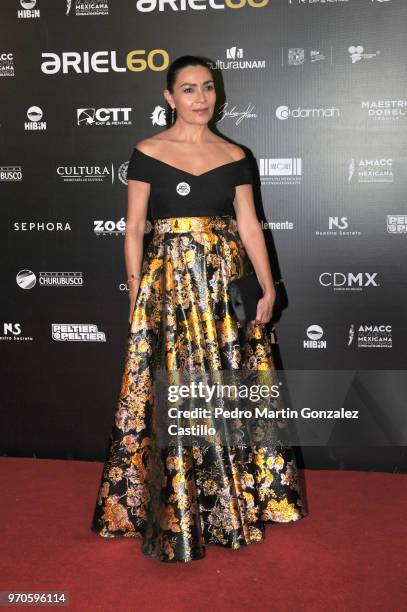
x=179 y=498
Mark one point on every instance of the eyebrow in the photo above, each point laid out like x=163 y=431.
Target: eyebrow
x=210 y=81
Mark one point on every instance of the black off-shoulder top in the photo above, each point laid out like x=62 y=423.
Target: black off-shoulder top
x=177 y=193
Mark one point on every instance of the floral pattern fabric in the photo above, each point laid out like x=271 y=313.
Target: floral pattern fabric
x=177 y=499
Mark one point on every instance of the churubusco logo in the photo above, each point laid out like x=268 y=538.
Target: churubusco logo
x=77 y=332
x=375 y=170
x=6 y=65
x=87 y=173
x=27 y=279
x=348 y=281
x=370 y=336
x=28 y=10
x=10 y=174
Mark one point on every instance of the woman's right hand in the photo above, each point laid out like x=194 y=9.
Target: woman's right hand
x=133 y=290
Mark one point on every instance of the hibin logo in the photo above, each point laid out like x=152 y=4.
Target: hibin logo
x=28 y=10
x=35 y=114
x=314 y=334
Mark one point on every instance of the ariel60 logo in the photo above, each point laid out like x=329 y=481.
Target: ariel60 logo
x=85 y=62
x=147 y=6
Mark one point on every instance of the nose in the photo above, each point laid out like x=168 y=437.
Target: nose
x=201 y=96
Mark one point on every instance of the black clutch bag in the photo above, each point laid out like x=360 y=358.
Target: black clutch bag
x=246 y=291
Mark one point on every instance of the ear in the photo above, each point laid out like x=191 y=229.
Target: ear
x=167 y=95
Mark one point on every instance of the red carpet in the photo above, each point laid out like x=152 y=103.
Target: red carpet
x=347 y=554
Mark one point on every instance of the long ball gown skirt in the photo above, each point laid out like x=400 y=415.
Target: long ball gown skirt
x=177 y=499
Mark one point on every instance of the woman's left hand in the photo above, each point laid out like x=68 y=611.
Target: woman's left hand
x=265 y=307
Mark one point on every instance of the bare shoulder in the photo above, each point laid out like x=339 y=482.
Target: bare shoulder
x=234 y=150
x=146 y=145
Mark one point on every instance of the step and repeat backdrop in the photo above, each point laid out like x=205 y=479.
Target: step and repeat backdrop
x=316 y=92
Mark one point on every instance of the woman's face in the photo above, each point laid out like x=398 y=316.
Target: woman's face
x=194 y=94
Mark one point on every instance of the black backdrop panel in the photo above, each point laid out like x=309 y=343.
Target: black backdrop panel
x=315 y=90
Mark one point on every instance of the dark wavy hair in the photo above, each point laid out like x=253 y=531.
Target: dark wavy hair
x=182 y=62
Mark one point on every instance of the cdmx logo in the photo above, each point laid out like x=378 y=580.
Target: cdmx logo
x=349 y=280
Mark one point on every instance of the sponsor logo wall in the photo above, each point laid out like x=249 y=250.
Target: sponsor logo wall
x=325 y=119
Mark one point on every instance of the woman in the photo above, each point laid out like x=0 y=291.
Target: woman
x=179 y=497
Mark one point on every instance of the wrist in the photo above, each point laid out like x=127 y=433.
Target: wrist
x=269 y=291
x=133 y=278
